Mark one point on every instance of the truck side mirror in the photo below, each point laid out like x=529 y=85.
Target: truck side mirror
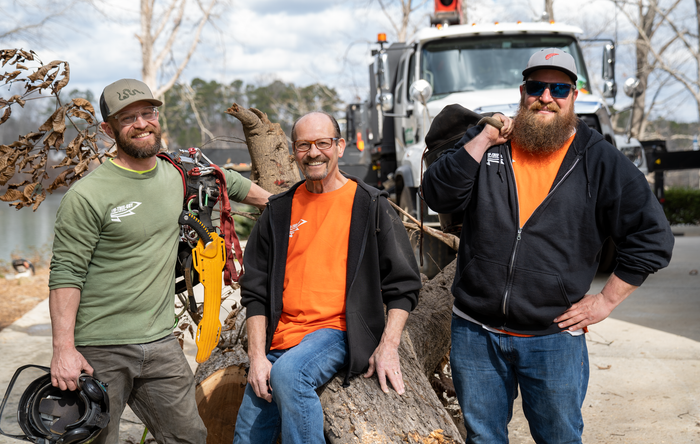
x=421 y=91
x=385 y=100
x=609 y=85
x=632 y=87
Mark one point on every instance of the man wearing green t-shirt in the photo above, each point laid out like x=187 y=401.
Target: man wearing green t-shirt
x=112 y=274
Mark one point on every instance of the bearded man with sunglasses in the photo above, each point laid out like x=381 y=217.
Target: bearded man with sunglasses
x=113 y=274
x=540 y=197
x=323 y=261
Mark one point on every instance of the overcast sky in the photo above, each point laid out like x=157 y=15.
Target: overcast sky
x=299 y=41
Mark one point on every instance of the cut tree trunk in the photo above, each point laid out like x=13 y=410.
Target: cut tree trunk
x=272 y=167
x=360 y=413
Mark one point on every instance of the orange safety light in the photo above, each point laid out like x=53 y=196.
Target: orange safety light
x=360 y=142
x=551 y=22
x=439 y=26
x=495 y=23
x=381 y=37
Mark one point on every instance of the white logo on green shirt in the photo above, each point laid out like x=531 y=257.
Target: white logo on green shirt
x=123 y=211
x=295 y=227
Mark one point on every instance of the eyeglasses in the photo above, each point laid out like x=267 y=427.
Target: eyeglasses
x=302 y=146
x=557 y=90
x=148 y=114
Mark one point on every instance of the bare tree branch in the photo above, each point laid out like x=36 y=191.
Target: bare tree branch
x=195 y=41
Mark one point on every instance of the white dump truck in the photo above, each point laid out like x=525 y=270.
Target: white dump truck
x=477 y=66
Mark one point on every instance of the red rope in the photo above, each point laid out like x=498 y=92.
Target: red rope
x=228 y=232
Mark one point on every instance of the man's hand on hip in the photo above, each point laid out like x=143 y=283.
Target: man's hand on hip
x=66 y=366
x=593 y=308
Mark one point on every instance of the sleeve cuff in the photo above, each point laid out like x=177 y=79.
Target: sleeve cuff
x=632 y=278
x=405 y=303
x=254 y=308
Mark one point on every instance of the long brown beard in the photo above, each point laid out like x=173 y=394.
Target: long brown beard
x=537 y=137
x=124 y=142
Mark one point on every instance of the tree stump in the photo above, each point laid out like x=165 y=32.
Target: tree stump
x=272 y=167
x=360 y=413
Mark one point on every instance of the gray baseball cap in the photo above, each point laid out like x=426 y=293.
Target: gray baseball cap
x=552 y=58
x=123 y=93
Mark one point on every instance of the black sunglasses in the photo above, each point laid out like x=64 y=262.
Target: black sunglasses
x=557 y=90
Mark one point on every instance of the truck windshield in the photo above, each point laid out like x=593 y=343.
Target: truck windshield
x=489 y=62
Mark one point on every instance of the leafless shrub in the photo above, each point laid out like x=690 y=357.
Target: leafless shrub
x=27 y=156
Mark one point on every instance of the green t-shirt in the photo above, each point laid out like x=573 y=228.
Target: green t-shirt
x=116 y=238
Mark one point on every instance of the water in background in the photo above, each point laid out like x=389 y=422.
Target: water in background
x=22 y=230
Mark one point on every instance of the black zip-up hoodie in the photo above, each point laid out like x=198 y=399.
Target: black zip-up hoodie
x=381 y=269
x=521 y=279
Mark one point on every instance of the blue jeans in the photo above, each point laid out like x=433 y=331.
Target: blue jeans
x=552 y=372
x=295 y=410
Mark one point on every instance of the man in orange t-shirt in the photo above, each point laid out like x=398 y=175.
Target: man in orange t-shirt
x=321 y=264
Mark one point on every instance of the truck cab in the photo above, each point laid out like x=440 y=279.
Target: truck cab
x=477 y=66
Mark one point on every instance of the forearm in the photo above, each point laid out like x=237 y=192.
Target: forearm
x=394 y=327
x=63 y=308
x=616 y=290
x=257 y=326
x=478 y=146
x=257 y=196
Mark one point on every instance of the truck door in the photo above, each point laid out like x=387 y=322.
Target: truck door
x=404 y=120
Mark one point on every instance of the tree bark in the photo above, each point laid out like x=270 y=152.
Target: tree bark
x=360 y=413
x=272 y=168
x=644 y=67
x=549 y=9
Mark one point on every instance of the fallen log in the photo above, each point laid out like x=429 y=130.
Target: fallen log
x=360 y=413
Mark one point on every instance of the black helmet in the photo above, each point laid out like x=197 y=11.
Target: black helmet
x=47 y=413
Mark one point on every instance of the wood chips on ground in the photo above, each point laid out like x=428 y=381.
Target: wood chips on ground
x=18 y=296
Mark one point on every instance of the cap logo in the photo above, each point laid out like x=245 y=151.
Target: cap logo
x=128 y=93
x=549 y=56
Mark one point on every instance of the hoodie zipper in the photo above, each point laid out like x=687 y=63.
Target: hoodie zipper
x=511 y=265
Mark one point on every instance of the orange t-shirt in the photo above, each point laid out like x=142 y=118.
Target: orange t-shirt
x=534 y=176
x=315 y=274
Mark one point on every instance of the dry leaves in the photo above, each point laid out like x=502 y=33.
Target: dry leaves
x=27 y=156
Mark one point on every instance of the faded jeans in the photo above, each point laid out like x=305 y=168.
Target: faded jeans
x=157 y=383
x=551 y=371
x=295 y=410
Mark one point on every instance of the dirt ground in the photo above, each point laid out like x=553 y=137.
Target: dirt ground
x=18 y=296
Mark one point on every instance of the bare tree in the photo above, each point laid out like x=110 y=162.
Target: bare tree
x=164 y=26
x=677 y=66
x=28 y=20
x=465 y=14
x=650 y=21
x=407 y=7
